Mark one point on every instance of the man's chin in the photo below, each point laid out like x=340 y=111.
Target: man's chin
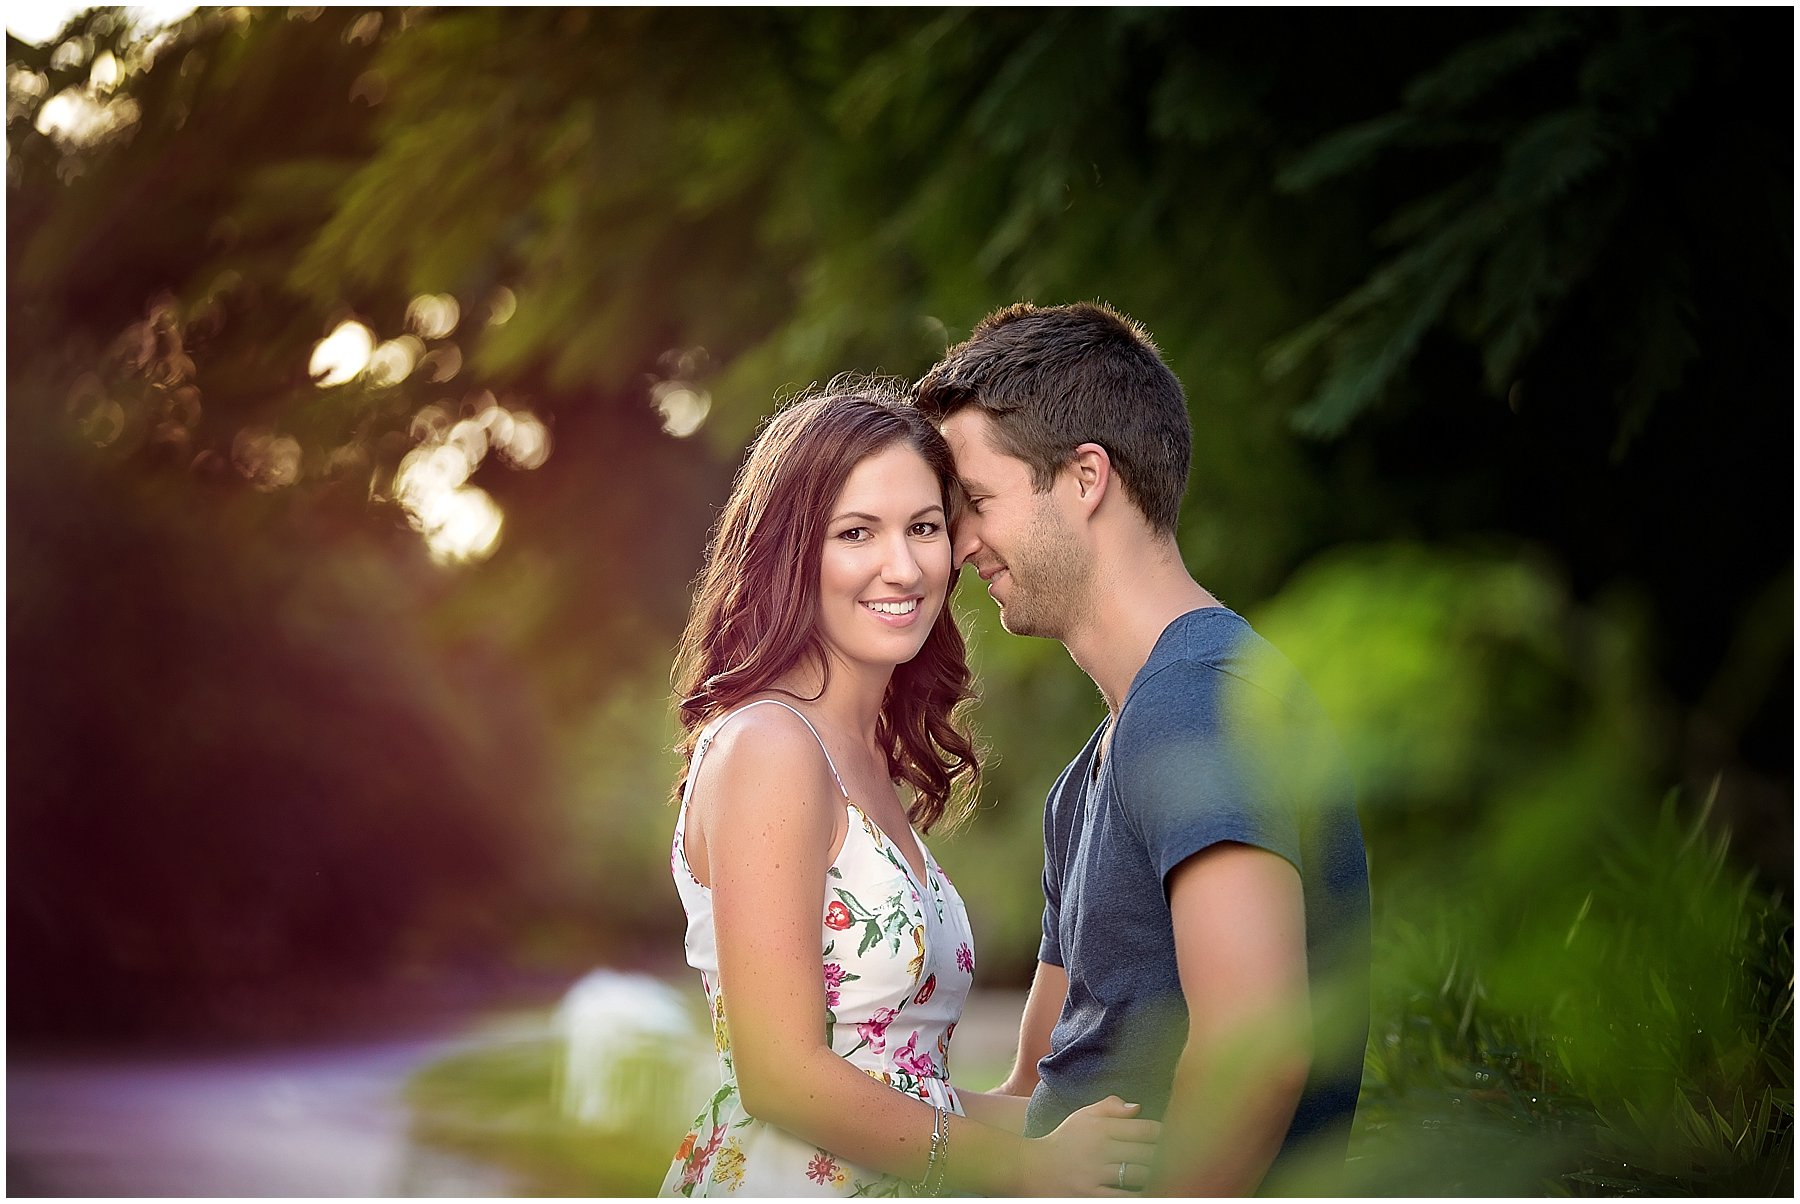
x=1018 y=622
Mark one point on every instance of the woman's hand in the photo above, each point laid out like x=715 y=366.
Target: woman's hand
x=1103 y=1149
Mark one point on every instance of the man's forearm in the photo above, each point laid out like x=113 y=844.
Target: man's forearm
x=999 y=1108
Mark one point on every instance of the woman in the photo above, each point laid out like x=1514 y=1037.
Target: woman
x=819 y=669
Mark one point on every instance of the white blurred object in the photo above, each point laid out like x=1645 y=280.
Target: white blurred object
x=634 y=1056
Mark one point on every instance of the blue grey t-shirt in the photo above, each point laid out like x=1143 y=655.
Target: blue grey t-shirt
x=1218 y=739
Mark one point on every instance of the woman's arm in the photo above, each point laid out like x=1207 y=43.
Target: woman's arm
x=768 y=811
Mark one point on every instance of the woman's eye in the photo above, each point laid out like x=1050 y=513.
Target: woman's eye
x=854 y=534
x=926 y=530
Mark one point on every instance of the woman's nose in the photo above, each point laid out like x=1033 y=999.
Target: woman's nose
x=901 y=564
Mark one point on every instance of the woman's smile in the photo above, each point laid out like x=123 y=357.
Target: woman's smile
x=901 y=612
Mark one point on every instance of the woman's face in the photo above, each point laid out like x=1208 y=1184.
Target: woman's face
x=885 y=569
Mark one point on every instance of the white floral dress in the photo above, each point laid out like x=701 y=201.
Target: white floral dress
x=897 y=957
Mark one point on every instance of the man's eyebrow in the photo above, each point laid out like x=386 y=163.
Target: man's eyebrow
x=970 y=485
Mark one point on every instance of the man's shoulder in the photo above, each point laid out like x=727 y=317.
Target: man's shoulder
x=1207 y=654
x=1216 y=697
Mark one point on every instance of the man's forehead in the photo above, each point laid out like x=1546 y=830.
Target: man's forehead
x=969 y=434
x=981 y=463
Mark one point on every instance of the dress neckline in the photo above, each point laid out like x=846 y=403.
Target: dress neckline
x=918 y=877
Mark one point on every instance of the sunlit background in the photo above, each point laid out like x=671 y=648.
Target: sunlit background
x=374 y=375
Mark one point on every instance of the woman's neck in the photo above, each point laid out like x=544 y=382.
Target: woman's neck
x=846 y=696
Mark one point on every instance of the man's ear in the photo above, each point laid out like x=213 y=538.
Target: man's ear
x=1091 y=468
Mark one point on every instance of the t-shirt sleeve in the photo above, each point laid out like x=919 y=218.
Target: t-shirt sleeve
x=1194 y=766
x=1050 y=943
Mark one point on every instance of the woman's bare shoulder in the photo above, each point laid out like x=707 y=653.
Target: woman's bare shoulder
x=766 y=752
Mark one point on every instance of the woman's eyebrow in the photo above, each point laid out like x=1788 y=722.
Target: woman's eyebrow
x=875 y=518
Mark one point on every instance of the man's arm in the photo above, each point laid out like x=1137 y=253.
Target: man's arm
x=1240 y=948
x=1004 y=1106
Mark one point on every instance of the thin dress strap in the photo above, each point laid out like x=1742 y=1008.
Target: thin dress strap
x=803 y=719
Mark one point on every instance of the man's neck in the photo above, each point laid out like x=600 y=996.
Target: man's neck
x=1135 y=598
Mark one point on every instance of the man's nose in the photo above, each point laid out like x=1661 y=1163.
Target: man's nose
x=966 y=541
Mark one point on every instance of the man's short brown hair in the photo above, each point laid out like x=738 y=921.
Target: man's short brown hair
x=1051 y=379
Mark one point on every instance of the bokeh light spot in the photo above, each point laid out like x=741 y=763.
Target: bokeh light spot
x=433 y=315
x=341 y=355
x=528 y=443
x=461 y=525
x=430 y=424
x=364 y=29
x=683 y=406
x=72 y=53
x=24 y=88
x=268 y=460
x=106 y=73
x=394 y=360
x=441 y=363
x=75 y=118
x=370 y=88
x=502 y=306
x=461 y=522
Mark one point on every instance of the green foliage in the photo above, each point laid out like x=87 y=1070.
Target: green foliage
x=1537 y=155
x=1572 y=991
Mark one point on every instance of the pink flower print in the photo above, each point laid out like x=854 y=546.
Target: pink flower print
x=697 y=1161
x=834 y=978
x=965 y=958
x=910 y=1059
x=874 y=1029
x=822 y=1168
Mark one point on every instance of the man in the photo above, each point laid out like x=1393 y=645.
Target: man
x=1205 y=942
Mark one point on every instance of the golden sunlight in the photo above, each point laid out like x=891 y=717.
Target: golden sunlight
x=75 y=118
x=460 y=521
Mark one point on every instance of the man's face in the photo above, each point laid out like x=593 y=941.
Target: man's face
x=1019 y=541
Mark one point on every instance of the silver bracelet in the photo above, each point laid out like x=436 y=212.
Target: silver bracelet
x=938 y=1159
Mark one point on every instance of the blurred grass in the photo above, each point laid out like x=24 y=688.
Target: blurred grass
x=1623 y=1052
x=498 y=1103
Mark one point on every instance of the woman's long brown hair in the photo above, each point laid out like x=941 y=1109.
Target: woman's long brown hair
x=756 y=600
